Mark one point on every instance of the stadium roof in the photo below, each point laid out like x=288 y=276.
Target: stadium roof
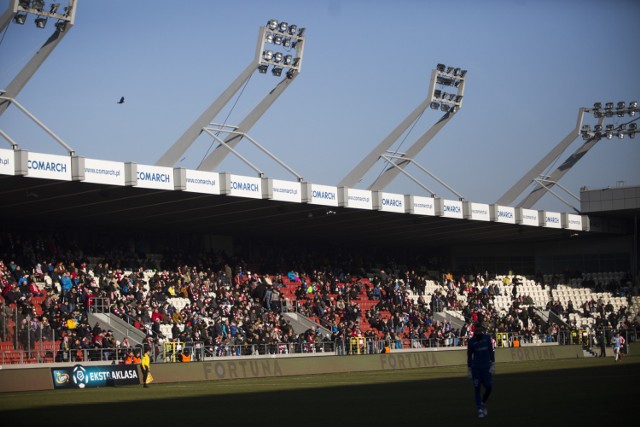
x=31 y=201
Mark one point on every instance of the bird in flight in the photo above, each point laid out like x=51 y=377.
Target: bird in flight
x=121 y=100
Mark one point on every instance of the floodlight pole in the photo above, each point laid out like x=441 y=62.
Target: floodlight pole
x=220 y=152
x=537 y=193
x=365 y=164
x=434 y=97
x=510 y=196
x=390 y=173
x=23 y=77
x=403 y=158
x=233 y=130
x=175 y=152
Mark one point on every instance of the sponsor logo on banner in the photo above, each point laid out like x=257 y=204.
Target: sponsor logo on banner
x=49 y=166
x=359 y=199
x=202 y=182
x=324 y=195
x=390 y=202
x=424 y=205
x=245 y=186
x=157 y=177
x=479 y=211
x=286 y=191
x=103 y=172
x=7 y=162
x=505 y=214
x=552 y=220
x=452 y=209
x=80 y=376
x=574 y=222
x=530 y=217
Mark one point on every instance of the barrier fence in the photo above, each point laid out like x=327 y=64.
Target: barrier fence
x=47 y=351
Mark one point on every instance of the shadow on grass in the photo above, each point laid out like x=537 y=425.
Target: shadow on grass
x=585 y=396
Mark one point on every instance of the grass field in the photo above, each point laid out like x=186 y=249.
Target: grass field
x=570 y=392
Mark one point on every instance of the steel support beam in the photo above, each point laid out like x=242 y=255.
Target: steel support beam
x=390 y=173
x=175 y=152
x=23 y=77
x=537 y=193
x=363 y=167
x=519 y=187
x=232 y=140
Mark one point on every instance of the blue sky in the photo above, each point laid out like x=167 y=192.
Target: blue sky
x=531 y=66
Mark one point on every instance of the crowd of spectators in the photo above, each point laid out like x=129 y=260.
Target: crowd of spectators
x=49 y=287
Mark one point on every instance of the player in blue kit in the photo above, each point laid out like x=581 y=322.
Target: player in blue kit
x=481 y=365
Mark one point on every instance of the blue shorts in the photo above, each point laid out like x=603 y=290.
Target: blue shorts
x=481 y=377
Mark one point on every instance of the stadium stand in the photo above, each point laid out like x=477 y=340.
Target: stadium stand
x=225 y=306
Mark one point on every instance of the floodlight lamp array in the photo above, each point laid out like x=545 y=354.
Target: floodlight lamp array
x=609 y=131
x=281 y=48
x=448 y=88
x=619 y=109
x=38 y=8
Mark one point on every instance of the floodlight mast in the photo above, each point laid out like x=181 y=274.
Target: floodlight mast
x=510 y=196
x=441 y=77
x=20 y=9
x=591 y=138
x=261 y=62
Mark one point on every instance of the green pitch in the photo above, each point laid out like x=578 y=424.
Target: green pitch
x=546 y=393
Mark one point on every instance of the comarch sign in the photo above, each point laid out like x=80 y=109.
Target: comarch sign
x=202 y=182
x=528 y=217
x=452 y=209
x=477 y=211
x=80 y=376
x=7 y=162
x=357 y=198
x=286 y=191
x=551 y=219
x=504 y=214
x=572 y=222
x=104 y=172
x=49 y=166
x=242 y=186
x=390 y=202
x=325 y=195
x=420 y=205
x=156 y=177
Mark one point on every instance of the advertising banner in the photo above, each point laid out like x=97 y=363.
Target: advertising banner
x=552 y=219
x=389 y=202
x=103 y=172
x=477 y=211
x=359 y=199
x=80 y=376
x=286 y=191
x=325 y=195
x=49 y=166
x=7 y=162
x=420 y=205
x=156 y=177
x=241 y=186
x=202 y=182
x=572 y=221
x=504 y=214
x=528 y=217
x=451 y=209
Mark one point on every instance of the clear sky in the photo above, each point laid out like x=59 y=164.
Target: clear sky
x=531 y=65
